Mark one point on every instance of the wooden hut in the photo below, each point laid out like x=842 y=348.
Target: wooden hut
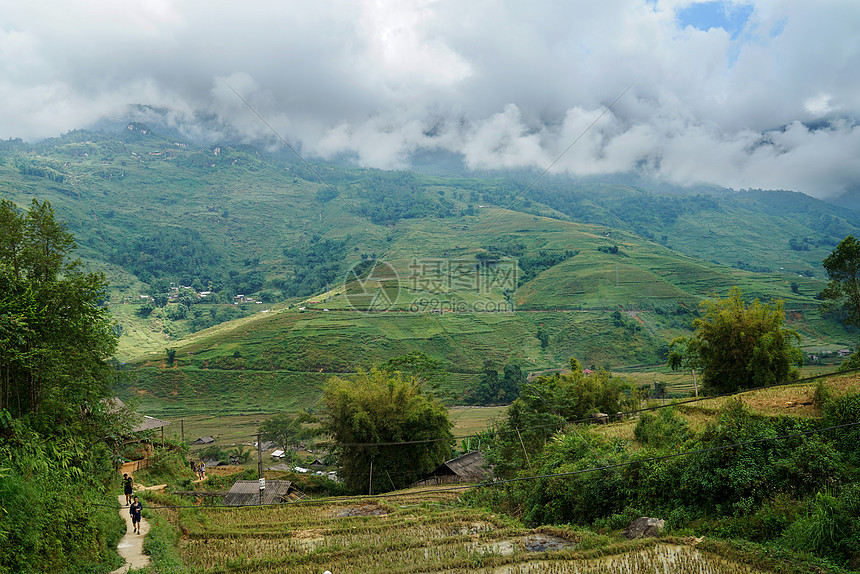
x=247 y=493
x=470 y=467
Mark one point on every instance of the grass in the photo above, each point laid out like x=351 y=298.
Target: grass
x=414 y=531
x=429 y=530
x=795 y=400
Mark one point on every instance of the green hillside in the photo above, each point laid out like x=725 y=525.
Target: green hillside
x=608 y=309
x=230 y=258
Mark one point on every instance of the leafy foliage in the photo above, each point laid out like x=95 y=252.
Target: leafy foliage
x=842 y=294
x=738 y=346
x=495 y=388
x=286 y=430
x=55 y=336
x=174 y=252
x=379 y=407
x=549 y=403
x=316 y=265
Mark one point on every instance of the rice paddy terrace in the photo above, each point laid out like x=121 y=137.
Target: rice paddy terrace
x=442 y=530
x=427 y=532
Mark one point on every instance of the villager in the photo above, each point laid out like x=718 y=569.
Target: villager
x=201 y=470
x=127 y=483
x=135 y=510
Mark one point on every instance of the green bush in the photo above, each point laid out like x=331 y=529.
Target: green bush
x=824 y=530
x=166 y=466
x=662 y=430
x=58 y=507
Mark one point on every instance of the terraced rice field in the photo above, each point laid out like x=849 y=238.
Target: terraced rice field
x=398 y=535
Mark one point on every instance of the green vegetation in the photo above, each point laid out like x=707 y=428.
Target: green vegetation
x=738 y=346
x=548 y=403
x=162 y=211
x=378 y=407
x=287 y=430
x=842 y=294
x=56 y=428
x=784 y=485
x=496 y=388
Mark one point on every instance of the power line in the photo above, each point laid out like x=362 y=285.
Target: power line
x=624 y=414
x=501 y=482
x=561 y=155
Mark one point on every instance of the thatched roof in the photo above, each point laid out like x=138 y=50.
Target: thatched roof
x=247 y=492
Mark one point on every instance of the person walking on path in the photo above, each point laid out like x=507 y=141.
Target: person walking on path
x=127 y=482
x=201 y=470
x=130 y=547
x=135 y=510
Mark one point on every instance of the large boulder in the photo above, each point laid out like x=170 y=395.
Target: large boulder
x=644 y=527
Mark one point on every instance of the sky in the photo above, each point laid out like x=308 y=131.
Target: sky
x=742 y=94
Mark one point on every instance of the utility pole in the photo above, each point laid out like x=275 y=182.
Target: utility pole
x=260 y=466
x=695 y=385
x=182 y=428
x=370 y=480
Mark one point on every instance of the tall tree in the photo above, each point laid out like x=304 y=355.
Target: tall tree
x=738 y=346
x=55 y=337
x=379 y=421
x=55 y=333
x=842 y=294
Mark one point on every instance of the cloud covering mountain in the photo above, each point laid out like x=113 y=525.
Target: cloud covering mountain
x=762 y=93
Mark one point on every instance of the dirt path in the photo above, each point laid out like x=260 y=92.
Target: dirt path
x=130 y=546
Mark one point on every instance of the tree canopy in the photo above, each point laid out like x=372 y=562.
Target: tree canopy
x=842 y=294
x=549 y=403
x=55 y=333
x=738 y=346
x=55 y=337
x=380 y=407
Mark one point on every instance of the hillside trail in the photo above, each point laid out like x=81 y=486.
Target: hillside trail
x=130 y=546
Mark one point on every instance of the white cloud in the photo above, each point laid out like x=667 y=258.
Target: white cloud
x=504 y=84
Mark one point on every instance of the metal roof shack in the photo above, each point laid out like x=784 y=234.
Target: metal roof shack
x=150 y=423
x=247 y=493
x=142 y=422
x=470 y=467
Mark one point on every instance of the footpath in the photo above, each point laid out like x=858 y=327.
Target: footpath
x=130 y=546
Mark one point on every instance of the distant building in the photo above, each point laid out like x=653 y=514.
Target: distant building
x=204 y=440
x=247 y=493
x=470 y=467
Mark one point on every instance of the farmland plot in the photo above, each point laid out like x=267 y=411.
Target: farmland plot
x=399 y=536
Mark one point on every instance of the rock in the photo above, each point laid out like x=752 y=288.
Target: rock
x=644 y=527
